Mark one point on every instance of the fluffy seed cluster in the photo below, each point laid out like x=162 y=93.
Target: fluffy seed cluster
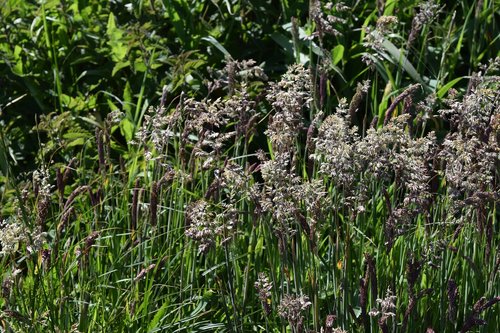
x=12 y=235
x=278 y=187
x=202 y=225
x=235 y=74
x=288 y=97
x=428 y=12
x=388 y=153
x=335 y=148
x=291 y=308
x=207 y=223
x=375 y=37
x=41 y=185
x=264 y=287
x=391 y=152
x=157 y=128
x=386 y=306
x=327 y=18
x=234 y=180
x=207 y=124
x=472 y=152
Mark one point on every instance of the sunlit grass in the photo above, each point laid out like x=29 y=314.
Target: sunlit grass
x=351 y=185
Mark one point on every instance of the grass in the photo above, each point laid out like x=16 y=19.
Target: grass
x=346 y=180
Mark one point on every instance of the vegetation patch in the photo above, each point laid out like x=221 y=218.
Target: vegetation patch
x=235 y=166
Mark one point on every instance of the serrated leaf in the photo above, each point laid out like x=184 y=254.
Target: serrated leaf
x=118 y=47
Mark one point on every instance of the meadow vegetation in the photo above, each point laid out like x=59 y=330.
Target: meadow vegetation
x=249 y=166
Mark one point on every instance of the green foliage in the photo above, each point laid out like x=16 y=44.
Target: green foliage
x=345 y=179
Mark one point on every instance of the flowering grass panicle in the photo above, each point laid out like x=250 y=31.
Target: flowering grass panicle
x=156 y=133
x=288 y=97
x=470 y=165
x=264 y=287
x=42 y=190
x=374 y=39
x=472 y=152
x=244 y=204
x=236 y=74
x=452 y=293
x=292 y=308
x=391 y=152
x=279 y=195
x=335 y=149
x=201 y=225
x=208 y=223
x=313 y=197
x=13 y=234
x=41 y=184
x=210 y=125
x=386 y=309
x=236 y=181
x=357 y=99
x=428 y=11
x=243 y=110
x=326 y=22
x=473 y=319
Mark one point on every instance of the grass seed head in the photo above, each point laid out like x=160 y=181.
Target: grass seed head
x=427 y=13
x=264 y=287
x=13 y=234
x=292 y=307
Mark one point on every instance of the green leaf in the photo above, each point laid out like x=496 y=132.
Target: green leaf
x=287 y=45
x=119 y=65
x=140 y=66
x=76 y=135
x=116 y=41
x=127 y=129
x=398 y=58
x=444 y=89
x=77 y=142
x=337 y=54
x=259 y=247
x=158 y=316
x=389 y=7
x=127 y=98
x=90 y=121
x=217 y=45
x=284 y=42
x=112 y=106
x=18 y=67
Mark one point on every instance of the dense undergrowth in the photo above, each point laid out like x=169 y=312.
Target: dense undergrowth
x=156 y=178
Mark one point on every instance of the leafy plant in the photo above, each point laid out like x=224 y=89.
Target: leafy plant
x=345 y=180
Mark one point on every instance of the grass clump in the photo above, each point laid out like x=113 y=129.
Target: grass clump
x=353 y=188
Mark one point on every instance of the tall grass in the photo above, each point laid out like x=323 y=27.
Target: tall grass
x=355 y=192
